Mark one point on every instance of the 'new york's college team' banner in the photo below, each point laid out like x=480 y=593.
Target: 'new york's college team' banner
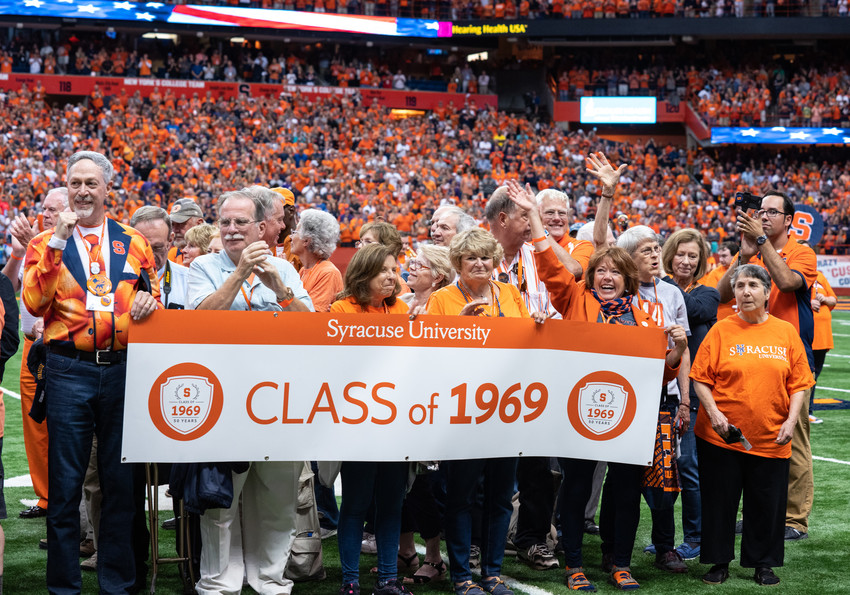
x=253 y=386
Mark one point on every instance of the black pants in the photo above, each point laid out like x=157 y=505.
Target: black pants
x=661 y=505
x=575 y=490
x=536 y=486
x=619 y=515
x=724 y=475
x=820 y=358
x=421 y=510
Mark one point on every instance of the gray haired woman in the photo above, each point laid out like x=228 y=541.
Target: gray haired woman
x=313 y=241
x=751 y=374
x=429 y=271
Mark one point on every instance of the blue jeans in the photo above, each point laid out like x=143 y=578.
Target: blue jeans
x=387 y=482
x=462 y=479
x=689 y=475
x=87 y=399
x=325 y=502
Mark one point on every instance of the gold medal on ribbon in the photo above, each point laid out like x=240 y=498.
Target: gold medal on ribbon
x=99 y=284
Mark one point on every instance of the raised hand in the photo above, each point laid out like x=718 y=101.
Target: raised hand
x=65 y=224
x=523 y=197
x=598 y=166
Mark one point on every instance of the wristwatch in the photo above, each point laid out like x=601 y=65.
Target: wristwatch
x=761 y=239
x=288 y=296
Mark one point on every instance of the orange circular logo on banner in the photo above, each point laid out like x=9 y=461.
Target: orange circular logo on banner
x=185 y=402
x=602 y=405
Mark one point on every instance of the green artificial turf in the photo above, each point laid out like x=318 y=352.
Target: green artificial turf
x=814 y=566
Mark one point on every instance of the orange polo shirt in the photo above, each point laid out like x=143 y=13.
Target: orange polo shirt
x=752 y=370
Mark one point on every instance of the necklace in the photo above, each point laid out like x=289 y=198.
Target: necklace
x=467 y=295
x=97 y=283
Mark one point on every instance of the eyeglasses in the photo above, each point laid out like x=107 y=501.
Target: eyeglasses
x=769 y=212
x=415 y=265
x=239 y=223
x=650 y=250
x=361 y=243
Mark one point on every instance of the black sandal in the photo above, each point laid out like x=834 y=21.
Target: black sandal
x=404 y=564
x=407 y=563
x=421 y=579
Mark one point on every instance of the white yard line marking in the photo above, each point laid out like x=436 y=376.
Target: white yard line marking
x=12 y=394
x=22 y=481
x=837 y=355
x=828 y=460
x=25 y=481
x=839 y=335
x=836 y=390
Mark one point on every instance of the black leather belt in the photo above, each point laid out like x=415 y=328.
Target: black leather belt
x=102 y=357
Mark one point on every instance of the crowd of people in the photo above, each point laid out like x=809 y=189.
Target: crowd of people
x=735 y=411
x=812 y=90
x=355 y=161
x=761 y=95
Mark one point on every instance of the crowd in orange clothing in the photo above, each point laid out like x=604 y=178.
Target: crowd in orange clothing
x=758 y=95
x=276 y=63
x=358 y=163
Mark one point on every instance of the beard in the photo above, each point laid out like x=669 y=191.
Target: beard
x=84 y=213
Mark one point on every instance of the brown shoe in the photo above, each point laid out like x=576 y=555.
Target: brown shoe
x=86 y=548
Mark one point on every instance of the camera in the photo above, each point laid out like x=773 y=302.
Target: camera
x=746 y=201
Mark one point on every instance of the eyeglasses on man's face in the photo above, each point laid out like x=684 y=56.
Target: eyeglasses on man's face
x=239 y=223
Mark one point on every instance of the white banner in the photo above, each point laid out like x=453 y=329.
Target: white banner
x=836 y=269
x=253 y=386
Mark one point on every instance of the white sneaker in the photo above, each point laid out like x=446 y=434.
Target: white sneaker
x=368 y=545
x=815 y=420
x=89 y=563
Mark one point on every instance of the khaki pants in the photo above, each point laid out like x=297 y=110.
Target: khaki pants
x=258 y=546
x=801 y=485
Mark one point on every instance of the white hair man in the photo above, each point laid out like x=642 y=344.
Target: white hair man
x=84 y=278
x=447 y=222
x=155 y=224
x=245 y=276
x=274 y=214
x=554 y=208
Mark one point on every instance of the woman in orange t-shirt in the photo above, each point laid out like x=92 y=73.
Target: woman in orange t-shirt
x=313 y=242
x=750 y=374
x=371 y=287
x=474 y=254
